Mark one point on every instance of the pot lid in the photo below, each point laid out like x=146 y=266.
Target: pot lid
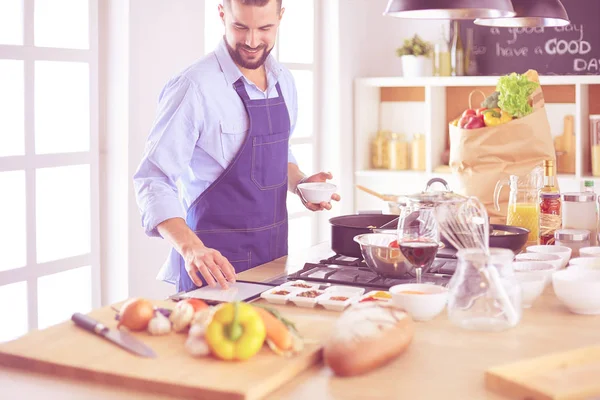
x=436 y=197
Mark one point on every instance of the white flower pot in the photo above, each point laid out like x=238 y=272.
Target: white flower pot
x=413 y=66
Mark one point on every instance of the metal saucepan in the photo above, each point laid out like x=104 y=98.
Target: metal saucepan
x=380 y=257
x=345 y=227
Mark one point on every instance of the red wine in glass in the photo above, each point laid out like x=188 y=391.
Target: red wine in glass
x=419 y=253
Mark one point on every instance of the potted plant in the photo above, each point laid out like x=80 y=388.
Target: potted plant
x=416 y=58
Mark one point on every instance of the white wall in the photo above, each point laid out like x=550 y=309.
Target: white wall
x=150 y=41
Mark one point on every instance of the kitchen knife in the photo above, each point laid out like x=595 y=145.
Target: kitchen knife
x=118 y=337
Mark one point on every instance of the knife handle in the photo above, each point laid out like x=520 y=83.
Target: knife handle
x=87 y=323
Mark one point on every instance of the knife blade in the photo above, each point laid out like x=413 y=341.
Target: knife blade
x=118 y=337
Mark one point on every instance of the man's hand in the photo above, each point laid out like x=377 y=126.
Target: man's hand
x=210 y=263
x=320 y=177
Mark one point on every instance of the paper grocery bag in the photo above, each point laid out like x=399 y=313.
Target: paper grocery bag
x=482 y=157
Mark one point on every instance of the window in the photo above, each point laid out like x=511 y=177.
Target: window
x=297 y=53
x=49 y=257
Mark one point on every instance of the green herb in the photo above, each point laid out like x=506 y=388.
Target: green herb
x=491 y=101
x=515 y=90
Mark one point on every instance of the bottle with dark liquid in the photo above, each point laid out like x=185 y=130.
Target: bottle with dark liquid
x=550 y=205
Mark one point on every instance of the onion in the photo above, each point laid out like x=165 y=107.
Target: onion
x=135 y=314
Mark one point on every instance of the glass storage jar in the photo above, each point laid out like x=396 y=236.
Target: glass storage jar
x=575 y=239
x=484 y=294
x=579 y=212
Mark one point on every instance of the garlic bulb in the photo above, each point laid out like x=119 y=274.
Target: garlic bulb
x=182 y=316
x=203 y=317
x=197 y=346
x=159 y=325
x=198 y=330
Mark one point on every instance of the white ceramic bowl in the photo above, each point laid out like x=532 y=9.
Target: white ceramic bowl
x=540 y=269
x=587 y=262
x=317 y=192
x=421 y=307
x=532 y=287
x=593 y=251
x=578 y=290
x=549 y=258
x=563 y=251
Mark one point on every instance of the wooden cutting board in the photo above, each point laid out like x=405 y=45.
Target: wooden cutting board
x=69 y=351
x=569 y=375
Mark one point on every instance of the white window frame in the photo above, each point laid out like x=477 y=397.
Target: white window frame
x=29 y=162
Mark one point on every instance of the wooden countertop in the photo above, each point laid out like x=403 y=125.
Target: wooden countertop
x=442 y=362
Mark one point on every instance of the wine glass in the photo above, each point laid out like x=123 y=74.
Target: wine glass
x=418 y=236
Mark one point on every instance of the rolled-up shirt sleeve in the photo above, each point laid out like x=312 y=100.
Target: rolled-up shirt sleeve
x=168 y=152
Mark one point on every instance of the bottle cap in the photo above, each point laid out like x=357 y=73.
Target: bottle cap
x=576 y=235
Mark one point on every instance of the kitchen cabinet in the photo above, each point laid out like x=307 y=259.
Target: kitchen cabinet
x=427 y=105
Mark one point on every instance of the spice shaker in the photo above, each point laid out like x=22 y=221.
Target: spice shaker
x=579 y=212
x=575 y=239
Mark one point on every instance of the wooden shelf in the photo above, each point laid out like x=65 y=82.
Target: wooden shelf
x=426 y=105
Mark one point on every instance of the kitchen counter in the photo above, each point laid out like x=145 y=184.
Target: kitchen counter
x=442 y=362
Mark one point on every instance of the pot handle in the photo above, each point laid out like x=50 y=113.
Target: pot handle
x=437 y=180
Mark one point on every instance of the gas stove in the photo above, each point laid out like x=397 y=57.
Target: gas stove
x=342 y=270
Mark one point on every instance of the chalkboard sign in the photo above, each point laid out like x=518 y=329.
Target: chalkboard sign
x=569 y=50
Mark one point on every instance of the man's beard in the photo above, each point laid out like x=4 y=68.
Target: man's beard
x=236 y=55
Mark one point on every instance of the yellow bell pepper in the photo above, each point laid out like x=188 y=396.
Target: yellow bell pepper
x=495 y=117
x=236 y=332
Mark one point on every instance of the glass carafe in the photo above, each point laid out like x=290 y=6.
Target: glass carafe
x=483 y=292
x=523 y=204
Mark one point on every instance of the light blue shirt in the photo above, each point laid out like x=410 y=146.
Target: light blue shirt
x=200 y=125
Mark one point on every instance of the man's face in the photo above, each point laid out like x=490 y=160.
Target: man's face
x=250 y=31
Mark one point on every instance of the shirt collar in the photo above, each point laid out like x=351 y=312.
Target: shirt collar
x=232 y=72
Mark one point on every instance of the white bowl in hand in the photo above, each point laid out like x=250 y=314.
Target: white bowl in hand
x=578 y=290
x=563 y=251
x=317 y=192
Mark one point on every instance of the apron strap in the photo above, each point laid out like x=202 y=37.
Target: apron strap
x=241 y=90
x=279 y=90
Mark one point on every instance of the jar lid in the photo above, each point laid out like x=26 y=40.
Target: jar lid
x=550 y=196
x=579 y=197
x=572 y=234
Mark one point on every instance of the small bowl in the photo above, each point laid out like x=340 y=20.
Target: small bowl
x=534 y=268
x=532 y=287
x=586 y=262
x=593 y=251
x=578 y=290
x=317 y=192
x=423 y=301
x=563 y=251
x=549 y=258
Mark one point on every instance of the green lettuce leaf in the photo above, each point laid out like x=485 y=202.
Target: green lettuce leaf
x=515 y=90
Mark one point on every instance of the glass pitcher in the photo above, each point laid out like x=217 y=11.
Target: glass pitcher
x=523 y=204
x=483 y=293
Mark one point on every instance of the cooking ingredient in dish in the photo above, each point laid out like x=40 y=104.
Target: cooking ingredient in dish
x=366 y=337
x=525 y=215
x=281 y=293
x=383 y=295
x=159 y=325
x=197 y=346
x=277 y=331
x=236 y=332
x=419 y=253
x=338 y=298
x=412 y=292
x=394 y=244
x=301 y=285
x=182 y=316
x=369 y=299
x=135 y=314
x=310 y=293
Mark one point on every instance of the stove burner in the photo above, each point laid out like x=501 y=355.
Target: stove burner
x=339 y=259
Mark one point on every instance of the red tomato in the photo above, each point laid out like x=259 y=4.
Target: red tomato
x=197 y=304
x=469 y=112
x=395 y=244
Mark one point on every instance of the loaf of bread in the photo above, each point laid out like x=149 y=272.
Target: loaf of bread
x=367 y=336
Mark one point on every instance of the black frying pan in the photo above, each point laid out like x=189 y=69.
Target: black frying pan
x=345 y=227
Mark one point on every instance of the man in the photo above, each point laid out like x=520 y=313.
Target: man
x=221 y=141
